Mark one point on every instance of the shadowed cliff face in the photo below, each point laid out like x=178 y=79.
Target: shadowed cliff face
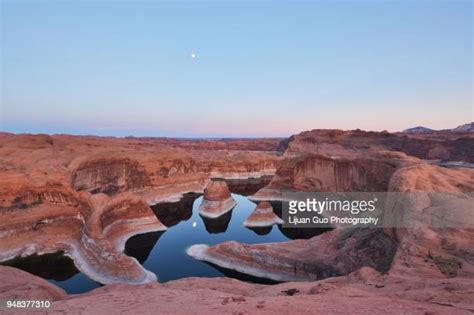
x=321 y=173
x=109 y=176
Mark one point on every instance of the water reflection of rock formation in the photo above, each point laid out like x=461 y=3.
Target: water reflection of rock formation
x=249 y=186
x=140 y=246
x=261 y=230
x=171 y=213
x=54 y=266
x=241 y=276
x=217 y=225
x=295 y=233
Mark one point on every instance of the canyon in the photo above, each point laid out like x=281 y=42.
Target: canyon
x=86 y=196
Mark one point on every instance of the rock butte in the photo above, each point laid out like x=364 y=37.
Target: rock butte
x=86 y=195
x=217 y=199
x=263 y=216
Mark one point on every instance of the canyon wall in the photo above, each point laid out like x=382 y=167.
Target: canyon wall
x=422 y=251
x=446 y=146
x=85 y=196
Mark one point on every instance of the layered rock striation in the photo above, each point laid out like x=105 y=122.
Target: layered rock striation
x=91 y=229
x=262 y=216
x=419 y=248
x=447 y=146
x=321 y=173
x=217 y=199
x=85 y=196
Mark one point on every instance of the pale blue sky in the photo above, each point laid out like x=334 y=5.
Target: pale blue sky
x=261 y=68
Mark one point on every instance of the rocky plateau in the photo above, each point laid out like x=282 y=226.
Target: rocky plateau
x=85 y=196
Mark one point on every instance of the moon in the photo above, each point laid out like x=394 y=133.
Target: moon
x=193 y=55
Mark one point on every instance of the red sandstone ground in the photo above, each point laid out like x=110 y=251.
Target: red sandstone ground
x=87 y=195
x=437 y=146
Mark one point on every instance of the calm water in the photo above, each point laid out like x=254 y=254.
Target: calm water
x=164 y=252
x=167 y=258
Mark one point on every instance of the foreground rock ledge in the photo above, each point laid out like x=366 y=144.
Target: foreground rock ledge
x=217 y=199
x=262 y=216
x=363 y=292
x=331 y=254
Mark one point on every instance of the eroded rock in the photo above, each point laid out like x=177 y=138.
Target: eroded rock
x=217 y=199
x=263 y=216
x=108 y=175
x=408 y=249
x=331 y=254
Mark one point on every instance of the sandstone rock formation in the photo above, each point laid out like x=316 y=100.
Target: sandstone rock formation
x=108 y=175
x=330 y=254
x=19 y=285
x=449 y=146
x=422 y=251
x=87 y=195
x=431 y=249
x=92 y=230
x=217 y=199
x=362 y=292
x=262 y=216
x=235 y=144
x=315 y=172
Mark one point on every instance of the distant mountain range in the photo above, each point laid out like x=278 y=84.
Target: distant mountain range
x=469 y=127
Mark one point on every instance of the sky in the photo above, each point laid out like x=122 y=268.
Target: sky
x=234 y=69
